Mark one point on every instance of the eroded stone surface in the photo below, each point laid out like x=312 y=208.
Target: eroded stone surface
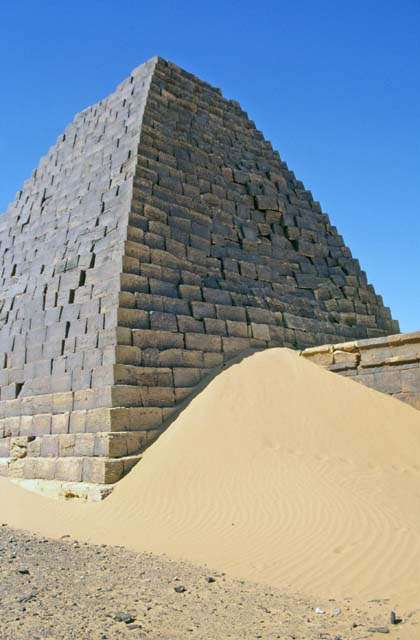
x=390 y=364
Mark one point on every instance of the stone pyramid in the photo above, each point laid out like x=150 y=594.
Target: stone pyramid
x=160 y=237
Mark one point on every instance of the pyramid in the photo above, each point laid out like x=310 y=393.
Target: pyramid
x=160 y=237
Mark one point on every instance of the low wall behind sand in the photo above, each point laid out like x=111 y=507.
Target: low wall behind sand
x=390 y=364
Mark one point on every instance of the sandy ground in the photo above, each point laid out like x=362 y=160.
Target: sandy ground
x=279 y=472
x=54 y=590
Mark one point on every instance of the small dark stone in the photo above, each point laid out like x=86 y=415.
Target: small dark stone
x=124 y=617
x=30 y=596
x=23 y=571
x=133 y=626
x=378 y=630
x=180 y=589
x=393 y=618
x=210 y=579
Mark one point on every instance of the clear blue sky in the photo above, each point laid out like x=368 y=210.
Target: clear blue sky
x=334 y=85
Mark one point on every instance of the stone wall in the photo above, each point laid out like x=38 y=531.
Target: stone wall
x=390 y=364
x=160 y=237
x=61 y=254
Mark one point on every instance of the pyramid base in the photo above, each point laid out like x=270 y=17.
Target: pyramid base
x=83 y=491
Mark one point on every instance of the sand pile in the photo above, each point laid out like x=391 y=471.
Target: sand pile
x=278 y=472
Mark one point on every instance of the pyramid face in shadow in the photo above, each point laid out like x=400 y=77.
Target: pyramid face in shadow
x=159 y=238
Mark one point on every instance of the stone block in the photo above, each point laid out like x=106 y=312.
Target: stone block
x=69 y=469
x=411 y=398
x=97 y=420
x=12 y=426
x=203 y=310
x=163 y=321
x=135 y=418
x=234 y=345
x=203 y=342
x=181 y=358
x=92 y=398
x=16 y=468
x=60 y=423
x=157 y=339
x=238 y=329
x=18 y=447
x=126 y=396
x=66 y=444
x=264 y=203
x=351 y=360
x=217 y=296
x=187 y=324
x=45 y=468
x=184 y=377
x=4 y=447
x=133 y=318
x=190 y=292
x=215 y=326
x=319 y=355
x=62 y=402
x=260 y=331
x=77 y=421
x=211 y=360
x=226 y=312
x=410 y=379
x=41 y=424
x=49 y=446
x=84 y=444
x=157 y=396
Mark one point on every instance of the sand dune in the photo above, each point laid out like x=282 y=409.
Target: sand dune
x=278 y=472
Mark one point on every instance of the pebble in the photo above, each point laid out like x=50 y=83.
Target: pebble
x=210 y=579
x=23 y=571
x=319 y=610
x=29 y=596
x=124 y=617
x=378 y=630
x=180 y=589
x=393 y=617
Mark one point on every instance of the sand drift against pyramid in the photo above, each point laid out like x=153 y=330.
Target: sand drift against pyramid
x=160 y=237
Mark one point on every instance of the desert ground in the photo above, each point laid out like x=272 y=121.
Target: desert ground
x=301 y=486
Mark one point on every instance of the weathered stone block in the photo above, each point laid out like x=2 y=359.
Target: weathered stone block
x=157 y=339
x=78 y=421
x=163 y=321
x=203 y=342
x=69 y=469
x=319 y=355
x=186 y=377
